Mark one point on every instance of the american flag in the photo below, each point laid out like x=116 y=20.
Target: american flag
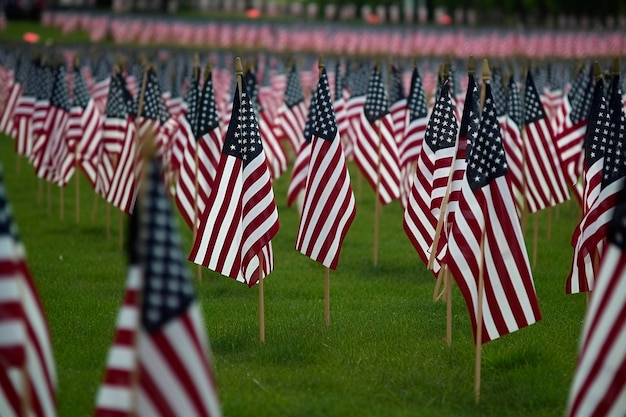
x=236 y=229
x=292 y=115
x=599 y=384
x=300 y=170
x=12 y=90
x=159 y=363
x=26 y=358
x=200 y=153
x=604 y=177
x=545 y=183
x=512 y=139
x=413 y=134
x=487 y=211
x=44 y=81
x=358 y=83
x=376 y=150
x=120 y=143
x=58 y=164
x=25 y=107
x=84 y=129
x=340 y=103
x=274 y=154
x=443 y=127
x=329 y=205
x=397 y=104
x=420 y=222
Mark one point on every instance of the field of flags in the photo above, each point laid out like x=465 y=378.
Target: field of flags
x=470 y=155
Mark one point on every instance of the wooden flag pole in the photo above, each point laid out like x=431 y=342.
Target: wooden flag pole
x=77 y=193
x=61 y=203
x=49 y=196
x=377 y=205
x=327 y=297
x=94 y=208
x=481 y=273
x=196 y=216
x=448 y=288
x=535 y=238
x=261 y=300
x=479 y=319
x=77 y=165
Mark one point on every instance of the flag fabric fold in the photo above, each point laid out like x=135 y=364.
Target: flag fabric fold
x=487 y=213
x=329 y=205
x=159 y=363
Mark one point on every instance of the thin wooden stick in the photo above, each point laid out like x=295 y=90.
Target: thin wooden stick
x=121 y=229
x=94 y=208
x=549 y=222
x=77 y=193
x=39 y=190
x=535 y=238
x=261 y=300
x=479 y=319
x=61 y=203
x=377 y=206
x=327 y=297
x=437 y=286
x=49 y=195
x=448 y=306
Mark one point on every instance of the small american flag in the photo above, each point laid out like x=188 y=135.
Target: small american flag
x=26 y=359
x=292 y=115
x=413 y=134
x=329 y=206
x=376 y=150
x=599 y=384
x=303 y=158
x=236 y=229
x=160 y=362
x=487 y=212
x=546 y=184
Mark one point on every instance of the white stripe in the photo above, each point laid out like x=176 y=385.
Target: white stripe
x=114 y=398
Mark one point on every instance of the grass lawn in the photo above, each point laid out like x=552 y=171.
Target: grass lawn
x=383 y=355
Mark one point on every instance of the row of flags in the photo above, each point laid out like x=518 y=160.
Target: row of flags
x=465 y=172
x=339 y=39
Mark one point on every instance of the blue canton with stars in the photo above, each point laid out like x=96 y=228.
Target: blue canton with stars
x=81 y=93
x=598 y=130
x=116 y=106
x=416 y=102
x=396 y=92
x=60 y=95
x=311 y=118
x=376 y=103
x=514 y=103
x=533 y=110
x=293 y=90
x=614 y=163
x=470 y=122
x=243 y=139
x=442 y=127
x=167 y=287
x=487 y=160
x=326 y=123
x=207 y=109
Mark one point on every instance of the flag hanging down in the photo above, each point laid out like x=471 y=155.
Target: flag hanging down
x=510 y=123
x=237 y=227
x=581 y=276
x=413 y=136
x=300 y=169
x=420 y=222
x=487 y=211
x=25 y=108
x=604 y=143
x=329 y=205
x=376 y=150
x=599 y=384
x=545 y=182
x=84 y=128
x=27 y=370
x=159 y=364
x=292 y=114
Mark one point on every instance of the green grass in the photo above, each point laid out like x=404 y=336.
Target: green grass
x=383 y=354
x=16 y=29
